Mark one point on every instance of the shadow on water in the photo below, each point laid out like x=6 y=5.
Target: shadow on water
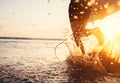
x=81 y=72
x=69 y=72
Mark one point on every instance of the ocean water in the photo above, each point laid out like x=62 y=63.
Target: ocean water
x=34 y=61
x=33 y=58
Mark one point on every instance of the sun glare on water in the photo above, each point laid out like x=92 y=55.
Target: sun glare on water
x=110 y=26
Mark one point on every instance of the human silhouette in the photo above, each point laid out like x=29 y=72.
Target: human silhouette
x=83 y=11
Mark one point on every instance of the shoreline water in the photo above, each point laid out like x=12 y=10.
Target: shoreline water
x=31 y=61
x=35 y=62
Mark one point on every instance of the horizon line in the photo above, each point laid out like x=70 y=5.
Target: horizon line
x=30 y=38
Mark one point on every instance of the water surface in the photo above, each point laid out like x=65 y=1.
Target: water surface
x=32 y=60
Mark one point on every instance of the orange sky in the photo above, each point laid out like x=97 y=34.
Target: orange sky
x=34 y=18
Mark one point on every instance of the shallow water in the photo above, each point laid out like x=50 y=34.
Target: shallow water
x=41 y=51
x=26 y=59
x=34 y=61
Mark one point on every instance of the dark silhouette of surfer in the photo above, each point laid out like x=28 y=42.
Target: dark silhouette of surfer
x=83 y=11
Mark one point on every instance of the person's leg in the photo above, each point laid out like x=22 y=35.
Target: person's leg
x=98 y=34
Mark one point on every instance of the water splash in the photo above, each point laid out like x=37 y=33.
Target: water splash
x=105 y=58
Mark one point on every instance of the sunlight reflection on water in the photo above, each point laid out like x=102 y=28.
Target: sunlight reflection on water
x=41 y=51
x=33 y=58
